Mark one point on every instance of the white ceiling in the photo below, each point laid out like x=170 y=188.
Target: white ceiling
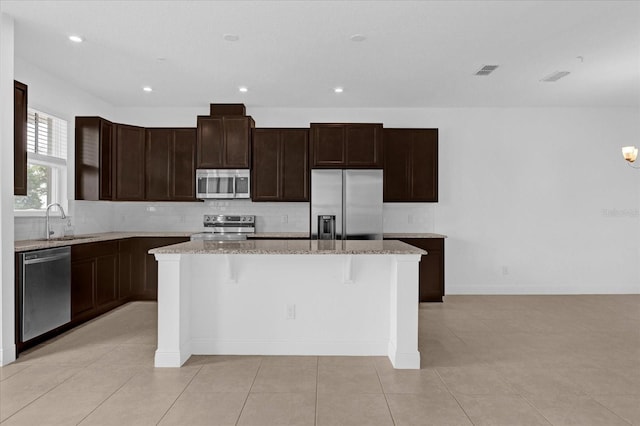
x=293 y=53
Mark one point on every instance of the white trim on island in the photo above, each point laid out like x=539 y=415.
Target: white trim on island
x=275 y=298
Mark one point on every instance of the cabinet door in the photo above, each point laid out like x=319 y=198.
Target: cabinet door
x=237 y=142
x=95 y=154
x=106 y=280
x=265 y=182
x=410 y=165
x=295 y=165
x=125 y=268
x=183 y=174
x=210 y=143
x=106 y=159
x=364 y=145
x=327 y=145
x=129 y=162
x=424 y=165
x=432 y=276
x=19 y=138
x=158 y=152
x=83 y=273
x=397 y=166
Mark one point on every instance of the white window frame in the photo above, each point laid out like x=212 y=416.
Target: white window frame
x=58 y=179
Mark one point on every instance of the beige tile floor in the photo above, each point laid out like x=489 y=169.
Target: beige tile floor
x=486 y=360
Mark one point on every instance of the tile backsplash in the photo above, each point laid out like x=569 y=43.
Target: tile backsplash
x=104 y=216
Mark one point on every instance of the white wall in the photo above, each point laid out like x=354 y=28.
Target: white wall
x=7 y=345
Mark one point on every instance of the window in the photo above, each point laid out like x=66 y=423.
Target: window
x=46 y=163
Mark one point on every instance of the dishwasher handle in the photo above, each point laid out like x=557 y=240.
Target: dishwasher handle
x=45 y=259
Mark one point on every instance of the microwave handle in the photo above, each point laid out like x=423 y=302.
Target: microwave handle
x=206 y=184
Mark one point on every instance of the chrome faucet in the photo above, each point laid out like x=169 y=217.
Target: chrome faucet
x=62 y=216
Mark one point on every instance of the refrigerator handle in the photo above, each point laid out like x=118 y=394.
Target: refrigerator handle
x=343 y=234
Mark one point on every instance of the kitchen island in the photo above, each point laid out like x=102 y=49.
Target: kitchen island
x=288 y=297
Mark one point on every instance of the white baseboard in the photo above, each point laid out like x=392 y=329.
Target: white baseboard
x=541 y=289
x=252 y=347
x=7 y=355
x=170 y=359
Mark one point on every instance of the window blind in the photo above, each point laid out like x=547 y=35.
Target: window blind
x=46 y=135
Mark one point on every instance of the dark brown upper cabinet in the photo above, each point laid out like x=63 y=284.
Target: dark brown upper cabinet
x=346 y=145
x=19 y=138
x=227 y=109
x=94 y=149
x=170 y=164
x=280 y=169
x=410 y=165
x=224 y=142
x=129 y=163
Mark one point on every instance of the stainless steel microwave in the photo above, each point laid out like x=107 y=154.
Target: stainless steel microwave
x=222 y=183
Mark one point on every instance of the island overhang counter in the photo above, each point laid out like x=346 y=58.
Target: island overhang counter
x=288 y=297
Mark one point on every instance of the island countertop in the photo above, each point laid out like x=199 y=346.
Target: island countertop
x=291 y=247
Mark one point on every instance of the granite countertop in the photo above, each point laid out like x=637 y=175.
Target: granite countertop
x=280 y=235
x=26 y=245
x=413 y=235
x=258 y=246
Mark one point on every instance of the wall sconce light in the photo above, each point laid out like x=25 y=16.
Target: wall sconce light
x=630 y=153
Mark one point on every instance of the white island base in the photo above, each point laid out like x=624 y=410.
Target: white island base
x=216 y=300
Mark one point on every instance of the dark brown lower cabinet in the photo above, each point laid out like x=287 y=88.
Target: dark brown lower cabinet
x=83 y=274
x=94 y=279
x=145 y=267
x=125 y=268
x=107 y=274
x=431 y=268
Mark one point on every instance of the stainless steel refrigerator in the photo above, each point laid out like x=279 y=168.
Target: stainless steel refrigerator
x=346 y=204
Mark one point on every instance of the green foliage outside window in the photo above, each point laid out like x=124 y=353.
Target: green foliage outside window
x=37 y=189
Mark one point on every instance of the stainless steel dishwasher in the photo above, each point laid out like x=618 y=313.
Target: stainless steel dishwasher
x=45 y=290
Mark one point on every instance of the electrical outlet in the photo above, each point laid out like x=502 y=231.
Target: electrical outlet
x=284 y=218
x=291 y=312
x=505 y=270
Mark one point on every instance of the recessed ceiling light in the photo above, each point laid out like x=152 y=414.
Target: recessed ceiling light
x=338 y=90
x=76 y=39
x=231 y=37
x=358 y=37
x=147 y=89
x=243 y=89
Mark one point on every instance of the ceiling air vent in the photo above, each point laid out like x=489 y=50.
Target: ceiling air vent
x=555 y=76
x=486 y=70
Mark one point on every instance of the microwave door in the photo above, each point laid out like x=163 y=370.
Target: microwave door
x=201 y=187
x=241 y=187
x=224 y=187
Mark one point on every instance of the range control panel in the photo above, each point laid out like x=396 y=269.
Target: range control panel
x=229 y=220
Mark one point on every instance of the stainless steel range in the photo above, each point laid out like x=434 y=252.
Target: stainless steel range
x=226 y=227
